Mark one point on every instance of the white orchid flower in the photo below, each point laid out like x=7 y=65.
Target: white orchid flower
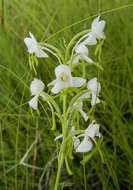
x=64 y=79
x=89 y=135
x=95 y=88
x=33 y=46
x=97 y=32
x=82 y=54
x=97 y=28
x=36 y=88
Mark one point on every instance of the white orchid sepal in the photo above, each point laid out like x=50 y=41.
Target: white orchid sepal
x=36 y=89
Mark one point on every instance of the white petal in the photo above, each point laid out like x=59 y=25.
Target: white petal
x=40 y=53
x=52 y=83
x=33 y=37
x=92 y=130
x=78 y=82
x=34 y=102
x=76 y=141
x=42 y=95
x=87 y=59
x=98 y=27
x=62 y=69
x=30 y=45
x=59 y=137
x=57 y=88
x=85 y=146
x=95 y=99
x=95 y=21
x=94 y=86
x=91 y=40
x=76 y=59
x=82 y=49
x=73 y=128
x=36 y=86
x=97 y=133
x=84 y=115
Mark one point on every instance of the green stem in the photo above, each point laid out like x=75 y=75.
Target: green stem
x=84 y=71
x=61 y=158
x=64 y=115
x=85 y=184
x=60 y=164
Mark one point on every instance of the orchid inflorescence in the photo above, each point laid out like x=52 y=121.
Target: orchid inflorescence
x=76 y=89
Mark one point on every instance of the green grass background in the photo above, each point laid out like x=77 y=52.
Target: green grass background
x=17 y=125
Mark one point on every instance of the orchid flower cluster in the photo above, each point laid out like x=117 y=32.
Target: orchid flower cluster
x=73 y=91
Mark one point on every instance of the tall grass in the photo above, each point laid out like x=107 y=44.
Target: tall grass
x=18 y=123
